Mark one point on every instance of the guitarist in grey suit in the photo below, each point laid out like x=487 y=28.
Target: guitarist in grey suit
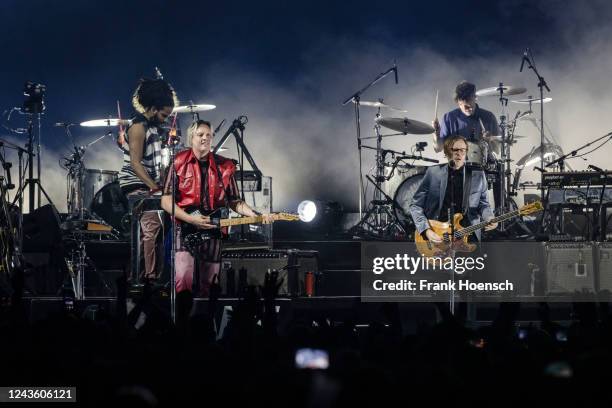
x=444 y=185
x=204 y=182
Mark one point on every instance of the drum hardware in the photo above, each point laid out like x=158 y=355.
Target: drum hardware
x=505 y=140
x=356 y=100
x=383 y=215
x=77 y=263
x=82 y=187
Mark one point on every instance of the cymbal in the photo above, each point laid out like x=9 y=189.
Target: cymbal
x=406 y=126
x=379 y=104
x=499 y=138
x=533 y=157
x=105 y=122
x=532 y=100
x=193 y=108
x=494 y=91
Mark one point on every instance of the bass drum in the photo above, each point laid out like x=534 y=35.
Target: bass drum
x=111 y=205
x=405 y=192
x=93 y=181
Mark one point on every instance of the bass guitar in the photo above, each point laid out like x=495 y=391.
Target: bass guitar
x=458 y=241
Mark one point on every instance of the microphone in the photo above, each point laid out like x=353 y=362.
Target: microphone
x=64 y=124
x=219 y=127
x=395 y=71
x=451 y=163
x=524 y=58
x=599 y=169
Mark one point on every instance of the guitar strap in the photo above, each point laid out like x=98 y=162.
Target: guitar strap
x=467 y=185
x=225 y=199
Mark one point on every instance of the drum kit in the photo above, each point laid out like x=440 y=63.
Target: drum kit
x=396 y=182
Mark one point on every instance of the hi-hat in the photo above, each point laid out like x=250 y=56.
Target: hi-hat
x=494 y=91
x=106 y=122
x=406 y=126
x=532 y=100
x=379 y=104
x=193 y=108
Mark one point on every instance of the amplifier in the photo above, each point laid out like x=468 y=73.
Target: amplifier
x=569 y=268
x=252 y=180
x=243 y=268
x=604 y=259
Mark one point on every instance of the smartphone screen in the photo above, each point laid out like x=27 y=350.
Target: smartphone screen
x=311 y=358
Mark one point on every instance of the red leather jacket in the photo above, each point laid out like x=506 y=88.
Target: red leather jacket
x=190 y=183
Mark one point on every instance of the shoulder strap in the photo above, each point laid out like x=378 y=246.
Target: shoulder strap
x=220 y=176
x=467 y=185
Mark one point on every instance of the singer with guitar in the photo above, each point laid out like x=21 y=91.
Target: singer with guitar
x=443 y=188
x=203 y=182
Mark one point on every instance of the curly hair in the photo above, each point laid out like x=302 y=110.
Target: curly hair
x=153 y=93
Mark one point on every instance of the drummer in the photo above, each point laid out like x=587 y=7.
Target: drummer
x=468 y=120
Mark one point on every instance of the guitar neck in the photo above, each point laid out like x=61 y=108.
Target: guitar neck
x=468 y=230
x=240 y=221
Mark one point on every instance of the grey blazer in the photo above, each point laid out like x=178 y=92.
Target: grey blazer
x=427 y=201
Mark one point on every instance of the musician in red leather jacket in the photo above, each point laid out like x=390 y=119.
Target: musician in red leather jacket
x=206 y=182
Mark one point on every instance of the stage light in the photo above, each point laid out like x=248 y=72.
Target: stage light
x=307 y=210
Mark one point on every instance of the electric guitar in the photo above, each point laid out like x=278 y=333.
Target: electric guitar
x=459 y=240
x=193 y=236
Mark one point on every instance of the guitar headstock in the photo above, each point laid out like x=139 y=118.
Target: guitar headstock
x=531 y=208
x=285 y=217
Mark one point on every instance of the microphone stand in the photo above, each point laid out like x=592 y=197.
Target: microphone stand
x=237 y=130
x=451 y=213
x=355 y=98
x=174 y=235
x=541 y=84
x=561 y=159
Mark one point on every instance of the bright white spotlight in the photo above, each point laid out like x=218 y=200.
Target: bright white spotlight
x=307 y=210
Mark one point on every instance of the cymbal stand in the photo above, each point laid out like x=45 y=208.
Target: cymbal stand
x=356 y=98
x=504 y=181
x=377 y=207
